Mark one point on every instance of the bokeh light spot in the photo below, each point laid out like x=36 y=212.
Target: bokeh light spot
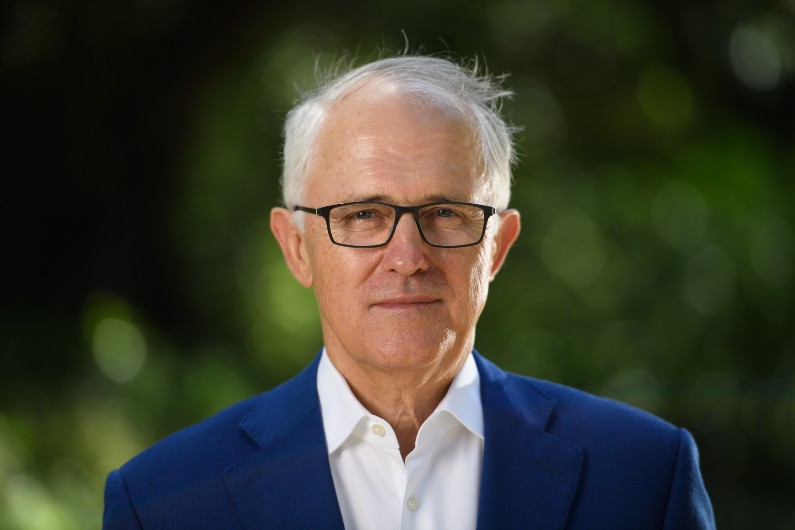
x=665 y=97
x=680 y=214
x=755 y=58
x=635 y=386
x=773 y=252
x=574 y=250
x=119 y=349
x=30 y=505
x=709 y=280
x=543 y=118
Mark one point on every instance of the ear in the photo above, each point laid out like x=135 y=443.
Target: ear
x=508 y=231
x=293 y=244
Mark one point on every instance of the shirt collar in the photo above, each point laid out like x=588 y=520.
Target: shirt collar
x=462 y=400
x=343 y=413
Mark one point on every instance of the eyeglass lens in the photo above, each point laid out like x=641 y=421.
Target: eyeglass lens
x=371 y=224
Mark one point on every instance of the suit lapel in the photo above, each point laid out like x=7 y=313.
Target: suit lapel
x=529 y=476
x=287 y=483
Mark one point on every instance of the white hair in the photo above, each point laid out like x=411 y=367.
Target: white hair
x=475 y=96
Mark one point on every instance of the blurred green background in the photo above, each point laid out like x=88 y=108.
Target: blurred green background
x=142 y=290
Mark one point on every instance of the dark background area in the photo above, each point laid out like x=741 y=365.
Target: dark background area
x=142 y=290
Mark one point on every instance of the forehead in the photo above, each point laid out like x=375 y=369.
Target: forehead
x=376 y=142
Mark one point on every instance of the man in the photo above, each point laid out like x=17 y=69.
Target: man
x=396 y=185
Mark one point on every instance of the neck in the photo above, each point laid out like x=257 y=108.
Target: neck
x=404 y=398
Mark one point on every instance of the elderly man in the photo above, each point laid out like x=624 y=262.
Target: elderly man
x=396 y=185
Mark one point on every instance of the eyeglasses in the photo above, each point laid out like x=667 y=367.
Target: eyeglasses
x=372 y=224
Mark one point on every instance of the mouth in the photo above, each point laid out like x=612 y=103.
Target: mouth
x=406 y=302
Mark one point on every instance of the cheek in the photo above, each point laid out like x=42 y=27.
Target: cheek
x=340 y=276
x=474 y=283
x=329 y=276
x=323 y=258
x=479 y=280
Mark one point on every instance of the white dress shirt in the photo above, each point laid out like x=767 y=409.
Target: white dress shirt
x=438 y=485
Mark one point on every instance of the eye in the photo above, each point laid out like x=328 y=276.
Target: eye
x=364 y=214
x=445 y=212
x=448 y=213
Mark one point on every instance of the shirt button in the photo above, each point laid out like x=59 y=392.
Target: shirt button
x=379 y=429
x=413 y=503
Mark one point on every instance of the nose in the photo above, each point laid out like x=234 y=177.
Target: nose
x=406 y=252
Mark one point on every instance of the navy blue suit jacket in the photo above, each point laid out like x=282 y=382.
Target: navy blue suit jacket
x=554 y=457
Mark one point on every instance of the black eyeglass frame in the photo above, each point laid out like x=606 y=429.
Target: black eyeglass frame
x=325 y=211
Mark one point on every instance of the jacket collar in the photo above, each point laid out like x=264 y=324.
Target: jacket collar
x=529 y=477
x=287 y=483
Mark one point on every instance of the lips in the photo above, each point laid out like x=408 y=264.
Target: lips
x=406 y=301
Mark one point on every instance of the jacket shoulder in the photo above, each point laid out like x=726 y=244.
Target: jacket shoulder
x=569 y=412
x=581 y=406
x=230 y=434
x=180 y=478
x=603 y=425
x=209 y=444
x=180 y=481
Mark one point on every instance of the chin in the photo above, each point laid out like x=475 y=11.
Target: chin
x=413 y=352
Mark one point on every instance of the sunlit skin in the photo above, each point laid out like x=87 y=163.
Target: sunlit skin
x=398 y=321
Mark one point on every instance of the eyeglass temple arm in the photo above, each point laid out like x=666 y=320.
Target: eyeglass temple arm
x=316 y=211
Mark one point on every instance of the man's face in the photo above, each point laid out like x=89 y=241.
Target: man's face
x=406 y=305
